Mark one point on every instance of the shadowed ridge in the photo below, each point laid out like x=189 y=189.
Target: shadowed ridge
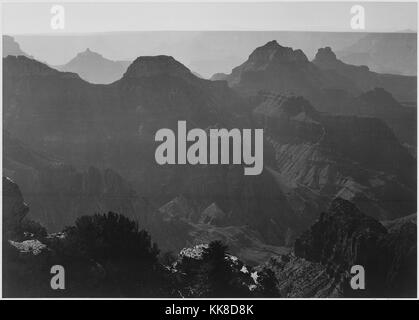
x=148 y=66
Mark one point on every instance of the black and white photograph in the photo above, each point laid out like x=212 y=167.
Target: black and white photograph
x=209 y=150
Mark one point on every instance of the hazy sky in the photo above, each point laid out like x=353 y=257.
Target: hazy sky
x=32 y=18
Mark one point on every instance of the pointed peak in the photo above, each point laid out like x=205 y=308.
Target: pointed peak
x=89 y=54
x=272 y=44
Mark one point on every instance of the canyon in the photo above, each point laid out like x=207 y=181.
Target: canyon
x=75 y=148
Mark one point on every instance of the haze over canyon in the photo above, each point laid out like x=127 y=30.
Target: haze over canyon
x=336 y=165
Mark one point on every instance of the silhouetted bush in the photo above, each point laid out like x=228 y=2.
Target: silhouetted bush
x=31 y=229
x=112 y=237
x=109 y=256
x=267 y=284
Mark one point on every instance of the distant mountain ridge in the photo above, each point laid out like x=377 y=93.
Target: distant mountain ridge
x=402 y=87
x=113 y=126
x=394 y=53
x=284 y=70
x=310 y=156
x=95 y=68
x=341 y=238
x=210 y=52
x=330 y=85
x=11 y=47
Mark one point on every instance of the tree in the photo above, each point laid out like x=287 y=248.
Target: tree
x=267 y=284
x=123 y=258
x=216 y=276
x=29 y=229
x=107 y=237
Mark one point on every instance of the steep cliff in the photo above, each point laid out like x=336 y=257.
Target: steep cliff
x=323 y=156
x=14 y=209
x=344 y=237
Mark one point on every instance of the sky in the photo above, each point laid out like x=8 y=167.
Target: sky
x=34 y=18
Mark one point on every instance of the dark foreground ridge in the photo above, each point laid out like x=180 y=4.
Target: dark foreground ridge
x=107 y=255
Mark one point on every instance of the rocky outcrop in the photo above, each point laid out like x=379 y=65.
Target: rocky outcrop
x=301 y=278
x=320 y=265
x=344 y=237
x=14 y=208
x=272 y=54
x=325 y=56
x=34 y=247
x=213 y=215
x=338 y=236
x=178 y=208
